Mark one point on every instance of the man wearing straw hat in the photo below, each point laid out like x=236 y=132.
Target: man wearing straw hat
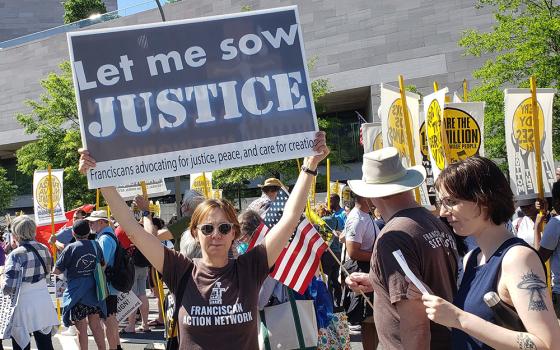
x=426 y=244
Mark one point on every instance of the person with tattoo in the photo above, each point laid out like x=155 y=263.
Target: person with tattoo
x=550 y=248
x=476 y=200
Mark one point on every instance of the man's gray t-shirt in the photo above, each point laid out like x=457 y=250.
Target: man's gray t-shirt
x=551 y=241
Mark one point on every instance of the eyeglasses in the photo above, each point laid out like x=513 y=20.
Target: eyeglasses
x=223 y=228
x=447 y=202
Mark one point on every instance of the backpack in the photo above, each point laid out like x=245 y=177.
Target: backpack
x=138 y=258
x=121 y=274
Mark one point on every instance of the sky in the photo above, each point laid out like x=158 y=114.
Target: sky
x=122 y=4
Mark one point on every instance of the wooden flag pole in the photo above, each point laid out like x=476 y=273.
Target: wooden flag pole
x=465 y=90
x=51 y=210
x=408 y=129
x=348 y=273
x=328 y=183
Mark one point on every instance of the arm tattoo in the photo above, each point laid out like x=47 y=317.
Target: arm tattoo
x=536 y=287
x=525 y=343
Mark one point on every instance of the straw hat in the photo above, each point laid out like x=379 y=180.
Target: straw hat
x=272 y=182
x=384 y=175
x=97 y=215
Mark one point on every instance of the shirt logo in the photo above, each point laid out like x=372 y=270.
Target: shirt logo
x=216 y=294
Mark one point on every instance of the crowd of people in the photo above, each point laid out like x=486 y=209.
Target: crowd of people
x=475 y=242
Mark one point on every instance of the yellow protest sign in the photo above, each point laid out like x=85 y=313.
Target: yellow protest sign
x=396 y=132
x=378 y=142
x=42 y=192
x=464 y=135
x=523 y=125
x=433 y=119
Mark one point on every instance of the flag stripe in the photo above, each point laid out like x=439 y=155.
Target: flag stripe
x=305 y=278
x=294 y=268
x=295 y=253
x=258 y=236
x=291 y=249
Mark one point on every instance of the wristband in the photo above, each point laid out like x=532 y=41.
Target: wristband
x=146 y=213
x=309 y=171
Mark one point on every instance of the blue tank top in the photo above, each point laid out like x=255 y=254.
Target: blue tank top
x=477 y=281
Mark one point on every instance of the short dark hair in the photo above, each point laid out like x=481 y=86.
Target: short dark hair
x=480 y=180
x=81 y=228
x=81 y=212
x=271 y=189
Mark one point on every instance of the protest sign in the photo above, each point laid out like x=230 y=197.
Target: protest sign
x=127 y=303
x=520 y=141
x=464 y=130
x=233 y=90
x=202 y=183
x=155 y=188
x=41 y=196
x=426 y=161
x=393 y=127
x=7 y=306
x=434 y=105
x=372 y=136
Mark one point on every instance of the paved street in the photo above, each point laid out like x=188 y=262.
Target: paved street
x=132 y=341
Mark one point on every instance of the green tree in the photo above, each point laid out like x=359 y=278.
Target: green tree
x=524 y=41
x=7 y=190
x=54 y=120
x=75 y=10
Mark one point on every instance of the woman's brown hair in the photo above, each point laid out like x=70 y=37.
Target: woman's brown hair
x=478 y=179
x=205 y=207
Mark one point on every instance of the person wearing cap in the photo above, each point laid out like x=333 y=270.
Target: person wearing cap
x=80 y=305
x=99 y=223
x=269 y=189
x=426 y=244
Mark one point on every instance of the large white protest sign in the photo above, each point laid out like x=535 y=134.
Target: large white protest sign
x=520 y=139
x=41 y=196
x=434 y=105
x=127 y=303
x=154 y=188
x=233 y=91
x=394 y=127
x=372 y=136
x=464 y=130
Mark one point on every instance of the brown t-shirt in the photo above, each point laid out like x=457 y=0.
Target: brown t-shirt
x=219 y=307
x=431 y=253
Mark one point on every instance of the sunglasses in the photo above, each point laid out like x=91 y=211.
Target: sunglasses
x=208 y=229
x=447 y=202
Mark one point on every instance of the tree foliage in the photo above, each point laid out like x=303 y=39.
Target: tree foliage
x=7 y=190
x=524 y=41
x=75 y=10
x=54 y=120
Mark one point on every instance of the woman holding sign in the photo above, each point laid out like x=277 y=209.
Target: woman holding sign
x=477 y=201
x=219 y=298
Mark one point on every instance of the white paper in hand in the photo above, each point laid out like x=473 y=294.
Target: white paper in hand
x=411 y=276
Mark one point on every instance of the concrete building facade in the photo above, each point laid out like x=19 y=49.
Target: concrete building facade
x=357 y=44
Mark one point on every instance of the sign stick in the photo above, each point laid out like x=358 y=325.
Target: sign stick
x=408 y=128
x=538 y=157
x=206 y=191
x=51 y=209
x=443 y=132
x=329 y=183
x=97 y=198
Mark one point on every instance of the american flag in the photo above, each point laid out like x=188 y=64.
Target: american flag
x=361 y=120
x=258 y=236
x=299 y=260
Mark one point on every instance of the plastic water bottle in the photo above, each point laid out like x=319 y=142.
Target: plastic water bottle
x=505 y=316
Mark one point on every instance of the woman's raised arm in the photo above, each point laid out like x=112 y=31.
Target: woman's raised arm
x=148 y=244
x=278 y=236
